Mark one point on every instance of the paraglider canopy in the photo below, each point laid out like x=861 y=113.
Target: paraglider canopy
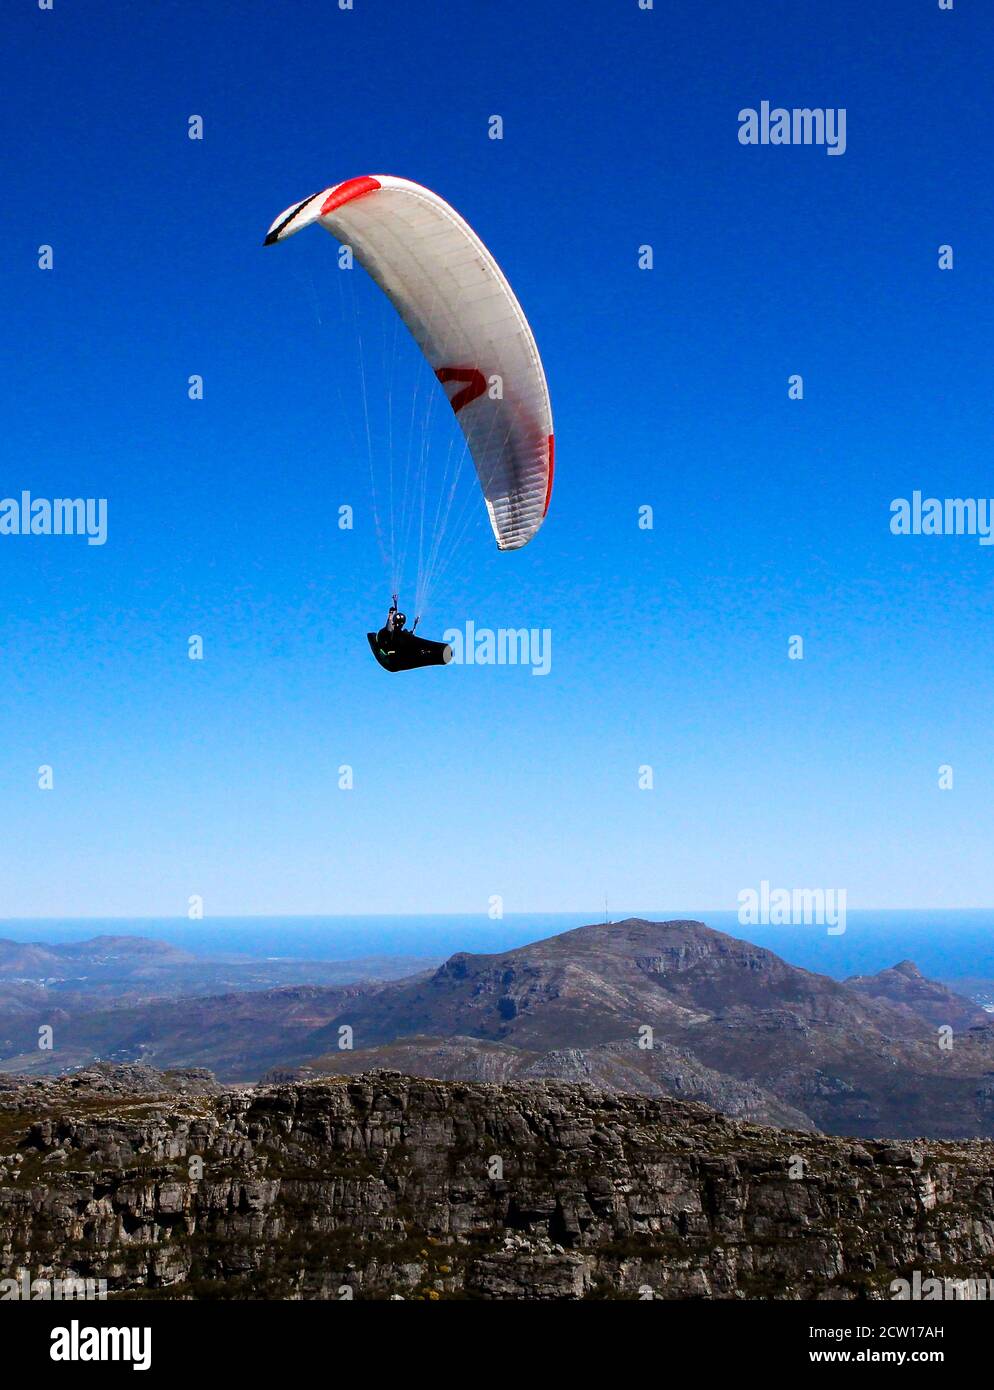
x=463 y=314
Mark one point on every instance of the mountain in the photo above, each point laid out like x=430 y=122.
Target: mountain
x=650 y=1008
x=846 y=1061
x=32 y=959
x=903 y=986
x=395 y=1187
x=595 y=984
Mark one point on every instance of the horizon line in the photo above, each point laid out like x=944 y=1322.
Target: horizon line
x=411 y=916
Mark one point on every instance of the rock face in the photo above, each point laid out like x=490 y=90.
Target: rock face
x=619 y=1066
x=382 y=1185
x=903 y=986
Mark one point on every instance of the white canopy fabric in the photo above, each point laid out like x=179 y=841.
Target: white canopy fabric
x=463 y=314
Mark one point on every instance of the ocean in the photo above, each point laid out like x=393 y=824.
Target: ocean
x=944 y=944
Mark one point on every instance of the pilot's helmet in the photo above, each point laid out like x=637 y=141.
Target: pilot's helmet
x=401 y=619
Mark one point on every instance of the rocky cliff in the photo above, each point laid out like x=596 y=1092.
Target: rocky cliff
x=383 y=1185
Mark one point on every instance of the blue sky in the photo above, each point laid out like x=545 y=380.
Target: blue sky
x=669 y=388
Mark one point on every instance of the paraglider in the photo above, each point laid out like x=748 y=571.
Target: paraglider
x=398 y=648
x=462 y=313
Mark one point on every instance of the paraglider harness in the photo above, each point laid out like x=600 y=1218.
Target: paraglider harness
x=397 y=648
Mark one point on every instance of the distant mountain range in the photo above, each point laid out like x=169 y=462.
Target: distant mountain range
x=83 y=974
x=652 y=1008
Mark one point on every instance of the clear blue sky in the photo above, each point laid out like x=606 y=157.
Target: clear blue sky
x=669 y=388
